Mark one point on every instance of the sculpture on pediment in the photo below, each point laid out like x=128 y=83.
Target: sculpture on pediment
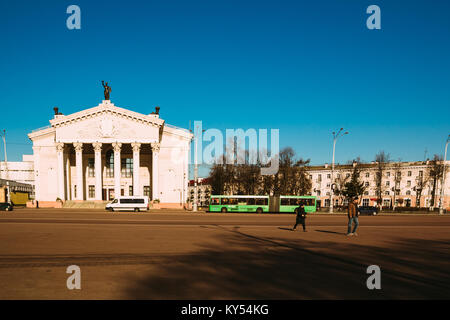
x=107 y=90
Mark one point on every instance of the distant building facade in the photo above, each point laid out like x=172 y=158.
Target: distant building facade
x=204 y=192
x=406 y=184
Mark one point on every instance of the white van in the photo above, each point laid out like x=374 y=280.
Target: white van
x=129 y=203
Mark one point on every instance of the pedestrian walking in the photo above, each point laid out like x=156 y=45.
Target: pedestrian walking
x=352 y=217
x=301 y=217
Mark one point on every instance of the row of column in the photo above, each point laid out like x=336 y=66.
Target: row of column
x=117 y=146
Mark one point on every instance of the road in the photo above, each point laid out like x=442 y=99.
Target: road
x=185 y=255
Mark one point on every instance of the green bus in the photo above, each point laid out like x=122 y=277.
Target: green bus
x=260 y=204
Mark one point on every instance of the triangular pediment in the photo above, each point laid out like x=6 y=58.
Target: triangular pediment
x=107 y=123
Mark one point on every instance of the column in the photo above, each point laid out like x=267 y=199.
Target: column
x=136 y=165
x=98 y=170
x=117 y=146
x=60 y=169
x=155 y=154
x=68 y=195
x=79 y=169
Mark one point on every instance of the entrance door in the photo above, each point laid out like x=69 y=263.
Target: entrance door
x=111 y=194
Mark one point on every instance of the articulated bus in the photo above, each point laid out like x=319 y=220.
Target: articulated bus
x=260 y=204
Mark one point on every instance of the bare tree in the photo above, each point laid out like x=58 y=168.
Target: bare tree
x=381 y=160
x=397 y=180
x=435 y=172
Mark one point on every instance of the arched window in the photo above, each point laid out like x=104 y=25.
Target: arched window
x=110 y=164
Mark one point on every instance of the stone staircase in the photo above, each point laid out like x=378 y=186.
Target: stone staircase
x=85 y=204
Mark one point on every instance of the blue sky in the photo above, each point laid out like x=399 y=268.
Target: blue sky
x=306 y=68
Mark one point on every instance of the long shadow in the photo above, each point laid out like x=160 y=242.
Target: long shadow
x=327 y=231
x=244 y=266
x=288 y=229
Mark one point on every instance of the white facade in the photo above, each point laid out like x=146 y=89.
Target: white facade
x=20 y=171
x=104 y=151
x=403 y=184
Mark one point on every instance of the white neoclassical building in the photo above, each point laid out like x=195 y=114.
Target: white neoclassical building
x=105 y=151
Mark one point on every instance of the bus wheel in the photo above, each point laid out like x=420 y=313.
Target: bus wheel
x=136 y=209
x=259 y=210
x=224 y=210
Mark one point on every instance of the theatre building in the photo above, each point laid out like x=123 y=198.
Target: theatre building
x=105 y=151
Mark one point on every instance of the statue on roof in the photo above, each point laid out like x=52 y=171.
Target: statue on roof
x=107 y=90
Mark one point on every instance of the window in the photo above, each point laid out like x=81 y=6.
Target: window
x=420 y=174
x=327 y=202
x=319 y=178
x=328 y=176
x=127 y=167
x=408 y=193
x=397 y=192
x=386 y=202
x=75 y=191
x=318 y=192
x=366 y=184
x=366 y=193
x=387 y=183
x=91 y=167
x=310 y=177
x=388 y=174
x=328 y=185
x=365 y=202
x=147 y=191
x=408 y=183
x=215 y=201
x=347 y=175
x=409 y=173
x=130 y=191
x=386 y=193
x=367 y=174
x=91 y=191
x=262 y=201
x=110 y=164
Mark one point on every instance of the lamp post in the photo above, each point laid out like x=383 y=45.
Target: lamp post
x=6 y=165
x=441 y=202
x=335 y=137
x=195 y=206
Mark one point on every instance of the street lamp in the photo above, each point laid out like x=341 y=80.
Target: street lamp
x=335 y=137
x=195 y=206
x=441 y=202
x=3 y=134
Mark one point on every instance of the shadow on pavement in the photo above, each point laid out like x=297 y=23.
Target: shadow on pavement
x=251 y=267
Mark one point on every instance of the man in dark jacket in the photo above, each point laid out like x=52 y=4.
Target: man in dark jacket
x=352 y=217
x=301 y=216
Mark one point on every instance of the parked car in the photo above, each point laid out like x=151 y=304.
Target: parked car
x=5 y=206
x=368 y=210
x=130 y=203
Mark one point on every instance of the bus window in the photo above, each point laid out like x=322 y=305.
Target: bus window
x=215 y=201
x=233 y=201
x=242 y=201
x=284 y=201
x=295 y=201
x=262 y=201
x=251 y=201
x=225 y=200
